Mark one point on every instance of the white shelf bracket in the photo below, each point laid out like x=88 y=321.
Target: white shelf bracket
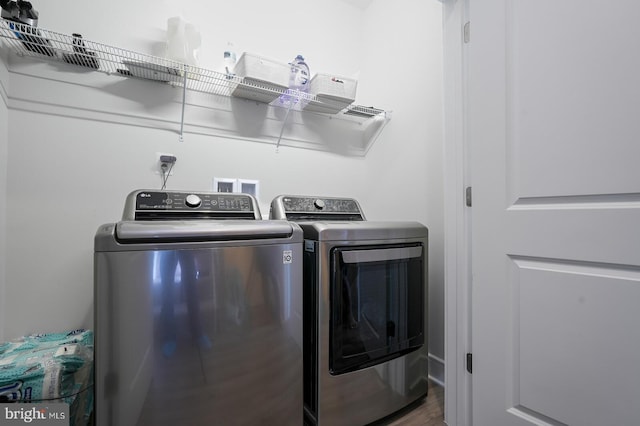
x=284 y=123
x=45 y=45
x=184 y=98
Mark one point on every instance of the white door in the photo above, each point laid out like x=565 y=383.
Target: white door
x=554 y=135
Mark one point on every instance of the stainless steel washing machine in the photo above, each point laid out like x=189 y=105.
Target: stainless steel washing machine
x=198 y=313
x=365 y=310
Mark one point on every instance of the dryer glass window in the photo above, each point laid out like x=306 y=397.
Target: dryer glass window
x=377 y=304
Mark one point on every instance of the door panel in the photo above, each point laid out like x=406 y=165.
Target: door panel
x=552 y=125
x=567 y=317
x=572 y=89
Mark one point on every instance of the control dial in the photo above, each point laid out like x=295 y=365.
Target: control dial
x=319 y=204
x=192 y=201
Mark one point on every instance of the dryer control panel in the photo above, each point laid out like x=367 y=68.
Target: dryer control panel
x=305 y=208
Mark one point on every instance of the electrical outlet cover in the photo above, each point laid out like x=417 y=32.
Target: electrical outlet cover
x=157 y=165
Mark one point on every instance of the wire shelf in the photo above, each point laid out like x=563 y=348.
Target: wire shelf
x=26 y=40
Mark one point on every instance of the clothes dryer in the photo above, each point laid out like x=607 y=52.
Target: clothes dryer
x=365 y=310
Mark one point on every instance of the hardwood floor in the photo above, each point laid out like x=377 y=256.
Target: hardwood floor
x=427 y=412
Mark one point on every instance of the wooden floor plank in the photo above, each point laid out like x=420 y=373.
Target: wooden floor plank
x=427 y=412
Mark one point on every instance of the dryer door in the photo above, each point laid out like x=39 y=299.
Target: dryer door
x=377 y=304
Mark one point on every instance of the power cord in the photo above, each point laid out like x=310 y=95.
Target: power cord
x=166 y=165
x=165 y=173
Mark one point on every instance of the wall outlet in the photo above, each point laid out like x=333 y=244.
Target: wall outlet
x=165 y=163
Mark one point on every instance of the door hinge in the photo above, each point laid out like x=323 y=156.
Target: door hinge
x=465 y=32
x=470 y=363
x=467 y=196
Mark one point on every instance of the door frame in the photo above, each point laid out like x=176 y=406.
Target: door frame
x=457 y=218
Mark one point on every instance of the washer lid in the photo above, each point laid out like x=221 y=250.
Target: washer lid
x=136 y=232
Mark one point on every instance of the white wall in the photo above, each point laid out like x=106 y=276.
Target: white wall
x=327 y=33
x=404 y=67
x=66 y=175
x=4 y=144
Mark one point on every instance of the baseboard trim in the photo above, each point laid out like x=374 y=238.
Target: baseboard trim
x=436 y=369
x=436 y=381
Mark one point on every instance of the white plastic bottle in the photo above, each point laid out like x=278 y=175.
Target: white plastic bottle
x=299 y=81
x=194 y=40
x=183 y=41
x=176 y=39
x=299 y=78
x=229 y=60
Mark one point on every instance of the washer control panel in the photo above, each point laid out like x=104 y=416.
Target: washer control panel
x=159 y=205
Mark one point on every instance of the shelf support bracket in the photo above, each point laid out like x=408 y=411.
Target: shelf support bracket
x=184 y=98
x=284 y=123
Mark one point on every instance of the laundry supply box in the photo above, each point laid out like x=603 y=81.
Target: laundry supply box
x=263 y=79
x=49 y=368
x=333 y=93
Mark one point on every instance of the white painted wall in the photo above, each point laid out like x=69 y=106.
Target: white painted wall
x=327 y=33
x=405 y=168
x=66 y=176
x=4 y=144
